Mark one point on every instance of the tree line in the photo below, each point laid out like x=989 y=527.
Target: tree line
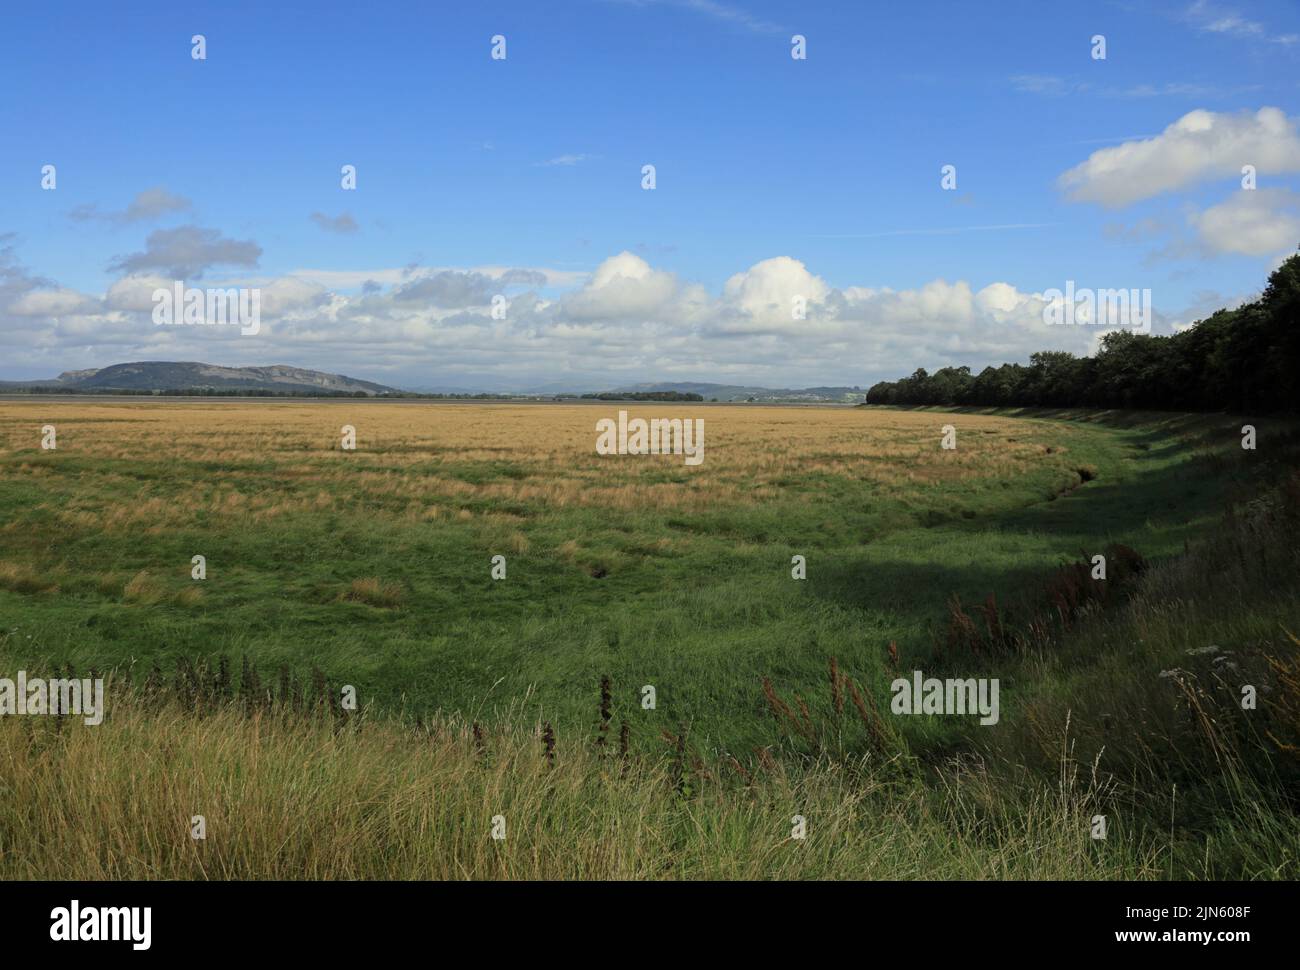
x=1247 y=359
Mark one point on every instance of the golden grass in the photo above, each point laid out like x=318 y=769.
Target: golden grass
x=273 y=459
x=294 y=796
x=375 y=592
x=21 y=578
x=143 y=588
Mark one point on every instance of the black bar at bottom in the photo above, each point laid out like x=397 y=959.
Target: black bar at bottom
x=336 y=920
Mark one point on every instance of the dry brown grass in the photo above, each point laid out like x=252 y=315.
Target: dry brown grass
x=22 y=578
x=430 y=460
x=143 y=588
x=290 y=795
x=375 y=592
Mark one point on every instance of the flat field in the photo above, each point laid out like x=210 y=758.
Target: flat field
x=482 y=697
x=374 y=564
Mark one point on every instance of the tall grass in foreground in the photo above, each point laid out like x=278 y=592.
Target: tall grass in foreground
x=292 y=796
x=293 y=787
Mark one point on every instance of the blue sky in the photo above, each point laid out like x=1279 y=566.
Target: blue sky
x=774 y=176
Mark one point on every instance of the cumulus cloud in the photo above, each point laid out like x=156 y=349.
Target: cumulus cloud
x=949 y=304
x=373 y=279
x=767 y=293
x=187 y=252
x=1263 y=222
x=134 y=294
x=1199 y=146
x=448 y=289
x=15 y=280
x=459 y=289
x=287 y=295
x=54 y=302
x=623 y=287
x=1000 y=298
x=625 y=321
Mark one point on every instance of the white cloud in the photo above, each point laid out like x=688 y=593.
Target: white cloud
x=622 y=287
x=1263 y=222
x=1199 y=146
x=766 y=293
x=719 y=11
x=352 y=279
x=1214 y=19
x=52 y=303
x=188 y=252
x=289 y=294
x=566 y=160
x=135 y=293
x=1048 y=84
x=936 y=305
x=999 y=298
x=625 y=321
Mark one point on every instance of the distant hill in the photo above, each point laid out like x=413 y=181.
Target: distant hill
x=161 y=375
x=171 y=377
x=741 y=392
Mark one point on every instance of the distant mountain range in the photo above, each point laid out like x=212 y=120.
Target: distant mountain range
x=160 y=375
x=172 y=376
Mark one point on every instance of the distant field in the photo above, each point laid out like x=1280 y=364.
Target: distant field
x=374 y=564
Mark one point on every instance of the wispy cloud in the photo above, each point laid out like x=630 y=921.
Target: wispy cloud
x=1112 y=141
x=1054 y=86
x=946 y=231
x=1046 y=84
x=576 y=159
x=1173 y=89
x=145 y=207
x=718 y=11
x=343 y=222
x=1213 y=19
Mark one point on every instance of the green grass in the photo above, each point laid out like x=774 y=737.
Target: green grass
x=702 y=621
x=1088 y=724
